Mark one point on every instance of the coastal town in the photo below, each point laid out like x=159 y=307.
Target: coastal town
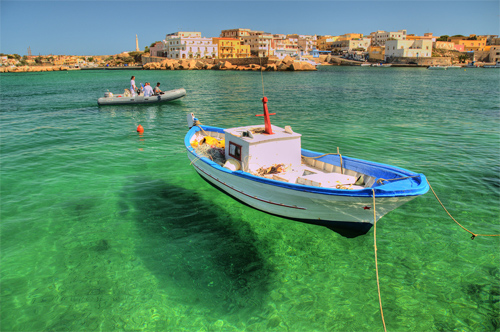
x=245 y=49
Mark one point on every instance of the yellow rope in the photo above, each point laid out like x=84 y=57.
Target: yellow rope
x=376 y=260
x=473 y=234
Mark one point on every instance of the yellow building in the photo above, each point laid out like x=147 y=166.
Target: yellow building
x=350 y=36
x=324 y=43
x=231 y=48
x=469 y=43
x=376 y=53
x=426 y=36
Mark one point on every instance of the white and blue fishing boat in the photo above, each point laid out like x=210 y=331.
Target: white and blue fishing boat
x=265 y=167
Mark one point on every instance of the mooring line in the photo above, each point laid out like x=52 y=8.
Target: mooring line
x=465 y=229
x=376 y=260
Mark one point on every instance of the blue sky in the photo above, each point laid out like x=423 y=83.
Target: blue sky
x=109 y=27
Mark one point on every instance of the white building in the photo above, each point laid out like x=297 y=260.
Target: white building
x=408 y=49
x=186 y=45
x=306 y=43
x=350 y=45
x=380 y=37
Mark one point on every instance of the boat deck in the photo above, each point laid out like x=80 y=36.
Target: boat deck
x=310 y=172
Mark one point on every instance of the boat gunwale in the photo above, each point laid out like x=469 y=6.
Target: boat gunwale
x=417 y=178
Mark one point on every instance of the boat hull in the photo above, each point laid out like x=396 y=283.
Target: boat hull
x=122 y=100
x=352 y=209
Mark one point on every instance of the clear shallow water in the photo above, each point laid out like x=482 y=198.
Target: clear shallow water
x=106 y=230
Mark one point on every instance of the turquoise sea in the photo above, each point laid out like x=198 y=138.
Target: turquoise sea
x=103 y=229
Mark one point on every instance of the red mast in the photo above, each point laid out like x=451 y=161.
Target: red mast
x=267 y=120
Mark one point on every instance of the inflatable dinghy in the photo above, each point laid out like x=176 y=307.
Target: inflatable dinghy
x=127 y=99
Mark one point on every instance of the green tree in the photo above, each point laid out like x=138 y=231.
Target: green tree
x=136 y=55
x=443 y=38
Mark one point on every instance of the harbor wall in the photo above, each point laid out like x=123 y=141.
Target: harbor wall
x=424 y=62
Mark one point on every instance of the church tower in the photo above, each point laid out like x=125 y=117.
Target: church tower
x=136 y=44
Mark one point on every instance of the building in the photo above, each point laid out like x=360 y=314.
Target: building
x=448 y=46
x=231 y=48
x=494 y=53
x=235 y=33
x=380 y=37
x=323 y=43
x=188 y=45
x=376 y=53
x=259 y=42
x=350 y=36
x=306 y=43
x=471 y=43
x=157 y=49
x=283 y=45
x=426 y=36
x=408 y=49
x=345 y=46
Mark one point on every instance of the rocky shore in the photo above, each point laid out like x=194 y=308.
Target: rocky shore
x=27 y=69
x=287 y=64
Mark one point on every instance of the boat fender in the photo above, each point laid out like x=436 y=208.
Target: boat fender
x=214 y=142
x=233 y=165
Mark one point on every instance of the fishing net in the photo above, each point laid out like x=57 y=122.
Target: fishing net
x=216 y=154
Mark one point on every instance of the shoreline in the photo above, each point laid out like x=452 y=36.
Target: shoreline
x=196 y=65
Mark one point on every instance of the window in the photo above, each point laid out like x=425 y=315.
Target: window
x=235 y=151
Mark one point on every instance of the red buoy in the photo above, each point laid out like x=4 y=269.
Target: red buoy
x=140 y=129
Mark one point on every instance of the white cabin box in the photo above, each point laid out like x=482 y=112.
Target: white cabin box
x=254 y=149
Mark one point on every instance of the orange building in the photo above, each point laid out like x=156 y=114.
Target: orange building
x=471 y=43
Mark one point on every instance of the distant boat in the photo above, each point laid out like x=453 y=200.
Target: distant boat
x=454 y=67
x=497 y=65
x=472 y=65
x=266 y=168
x=437 y=67
x=304 y=59
x=384 y=65
x=126 y=99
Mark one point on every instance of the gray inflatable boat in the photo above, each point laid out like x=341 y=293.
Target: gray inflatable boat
x=125 y=99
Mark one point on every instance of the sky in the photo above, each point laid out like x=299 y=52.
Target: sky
x=109 y=27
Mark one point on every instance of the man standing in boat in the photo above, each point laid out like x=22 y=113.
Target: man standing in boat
x=132 y=86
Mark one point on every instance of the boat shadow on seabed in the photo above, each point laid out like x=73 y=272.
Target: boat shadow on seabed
x=200 y=256
x=340 y=228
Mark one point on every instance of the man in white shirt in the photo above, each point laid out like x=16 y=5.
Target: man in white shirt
x=148 y=91
x=132 y=86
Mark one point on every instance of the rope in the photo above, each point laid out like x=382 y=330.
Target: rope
x=473 y=234
x=381 y=181
x=376 y=260
x=261 y=76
